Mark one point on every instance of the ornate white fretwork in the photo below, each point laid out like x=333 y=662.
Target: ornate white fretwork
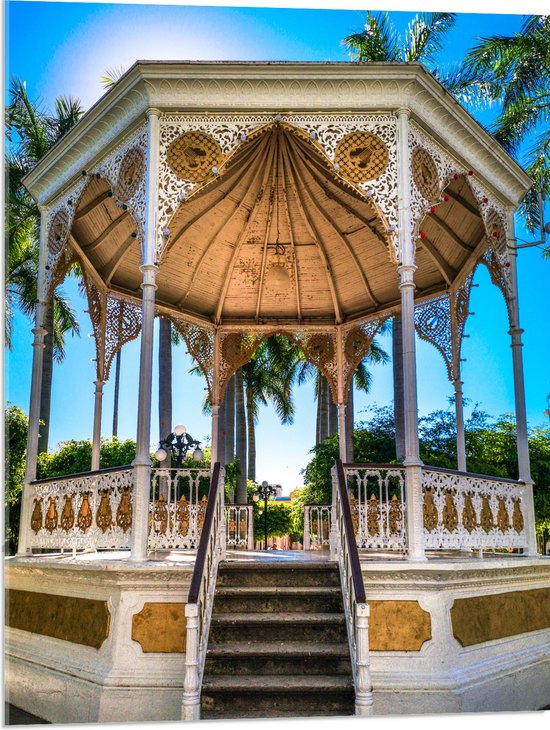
x=230 y=131
x=377 y=506
x=112 y=167
x=441 y=322
x=356 y=343
x=83 y=510
x=317 y=526
x=239 y=526
x=200 y=345
x=122 y=324
x=463 y=511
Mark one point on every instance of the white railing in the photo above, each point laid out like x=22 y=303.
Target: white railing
x=472 y=511
x=316 y=526
x=239 y=526
x=377 y=505
x=177 y=508
x=198 y=609
x=77 y=511
x=344 y=549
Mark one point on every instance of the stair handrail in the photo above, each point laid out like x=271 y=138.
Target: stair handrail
x=344 y=548
x=198 y=609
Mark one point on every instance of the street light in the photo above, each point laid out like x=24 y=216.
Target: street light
x=179 y=442
x=264 y=491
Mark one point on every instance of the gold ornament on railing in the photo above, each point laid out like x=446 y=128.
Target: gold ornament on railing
x=431 y=516
x=182 y=516
x=67 y=514
x=517 y=517
x=450 y=513
x=50 y=523
x=373 y=515
x=36 y=517
x=124 y=509
x=85 y=517
x=503 y=519
x=486 y=520
x=104 y=516
x=201 y=513
x=469 y=517
x=354 y=508
x=395 y=515
x=160 y=516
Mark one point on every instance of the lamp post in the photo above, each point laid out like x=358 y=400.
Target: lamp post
x=264 y=491
x=179 y=442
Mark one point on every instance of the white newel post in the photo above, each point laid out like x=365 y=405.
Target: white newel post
x=98 y=407
x=412 y=461
x=524 y=465
x=142 y=462
x=363 y=681
x=39 y=333
x=191 y=702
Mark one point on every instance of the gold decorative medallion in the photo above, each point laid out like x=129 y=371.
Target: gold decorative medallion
x=85 y=517
x=59 y=231
x=50 y=523
x=124 y=509
x=486 y=519
x=192 y=155
x=361 y=156
x=104 y=516
x=36 y=517
x=373 y=515
x=517 y=517
x=469 y=517
x=425 y=174
x=450 y=512
x=67 y=514
x=131 y=174
x=430 y=511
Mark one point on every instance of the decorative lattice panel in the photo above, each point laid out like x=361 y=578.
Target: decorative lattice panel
x=361 y=156
x=122 y=324
x=131 y=174
x=200 y=345
x=356 y=346
x=425 y=175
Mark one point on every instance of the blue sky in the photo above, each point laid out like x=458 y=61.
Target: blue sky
x=64 y=48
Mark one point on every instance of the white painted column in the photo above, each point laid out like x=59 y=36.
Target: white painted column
x=460 y=436
x=142 y=462
x=215 y=434
x=522 y=435
x=342 y=441
x=412 y=461
x=98 y=408
x=214 y=451
x=36 y=390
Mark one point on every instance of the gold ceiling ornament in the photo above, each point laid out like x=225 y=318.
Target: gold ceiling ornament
x=361 y=156
x=425 y=175
x=194 y=156
x=36 y=517
x=130 y=174
x=59 y=231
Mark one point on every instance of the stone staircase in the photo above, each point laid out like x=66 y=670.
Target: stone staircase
x=278 y=645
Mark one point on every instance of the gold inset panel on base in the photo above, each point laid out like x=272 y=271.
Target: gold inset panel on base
x=398 y=626
x=485 y=618
x=160 y=627
x=79 y=620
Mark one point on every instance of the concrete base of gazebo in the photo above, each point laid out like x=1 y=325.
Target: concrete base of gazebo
x=101 y=639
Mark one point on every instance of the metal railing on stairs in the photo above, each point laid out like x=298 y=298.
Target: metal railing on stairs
x=198 y=609
x=344 y=549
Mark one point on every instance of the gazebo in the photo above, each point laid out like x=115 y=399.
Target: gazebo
x=313 y=200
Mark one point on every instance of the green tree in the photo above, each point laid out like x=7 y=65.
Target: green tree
x=513 y=74
x=73 y=457
x=31 y=133
x=17 y=424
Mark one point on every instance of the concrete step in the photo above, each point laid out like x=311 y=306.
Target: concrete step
x=289 y=626
x=267 y=599
x=277 y=658
x=228 y=696
x=281 y=574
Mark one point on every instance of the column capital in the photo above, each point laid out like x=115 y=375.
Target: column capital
x=516 y=331
x=406 y=276
x=153 y=112
x=99 y=385
x=149 y=272
x=403 y=111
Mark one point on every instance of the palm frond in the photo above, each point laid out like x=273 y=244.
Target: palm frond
x=379 y=41
x=425 y=34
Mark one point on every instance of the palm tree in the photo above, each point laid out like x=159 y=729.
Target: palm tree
x=513 y=72
x=380 y=41
x=31 y=134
